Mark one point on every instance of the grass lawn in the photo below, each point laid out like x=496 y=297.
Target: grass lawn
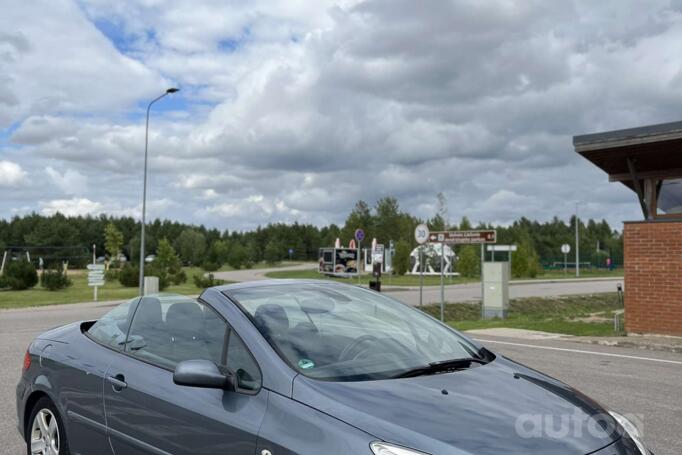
x=413 y=280
x=581 y=315
x=584 y=273
x=81 y=292
x=404 y=280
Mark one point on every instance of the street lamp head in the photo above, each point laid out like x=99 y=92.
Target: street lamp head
x=172 y=90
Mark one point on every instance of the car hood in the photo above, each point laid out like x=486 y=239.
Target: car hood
x=501 y=407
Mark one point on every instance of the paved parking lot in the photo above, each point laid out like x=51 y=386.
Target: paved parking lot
x=627 y=380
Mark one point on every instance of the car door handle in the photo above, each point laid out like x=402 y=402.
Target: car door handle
x=117 y=382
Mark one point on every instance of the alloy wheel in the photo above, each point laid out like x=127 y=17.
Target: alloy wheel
x=45 y=434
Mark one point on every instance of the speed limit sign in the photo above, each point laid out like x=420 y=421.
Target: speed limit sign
x=421 y=234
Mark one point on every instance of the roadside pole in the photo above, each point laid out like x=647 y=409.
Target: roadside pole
x=482 y=261
x=421 y=273
x=360 y=265
x=94 y=261
x=359 y=237
x=442 y=282
x=565 y=248
x=421 y=235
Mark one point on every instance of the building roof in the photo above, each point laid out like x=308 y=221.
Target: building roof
x=647 y=152
x=654 y=151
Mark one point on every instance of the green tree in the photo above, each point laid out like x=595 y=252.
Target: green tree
x=469 y=262
x=113 y=240
x=273 y=251
x=191 y=245
x=525 y=261
x=238 y=256
x=167 y=265
x=401 y=258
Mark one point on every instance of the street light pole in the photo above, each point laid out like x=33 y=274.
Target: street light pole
x=144 y=189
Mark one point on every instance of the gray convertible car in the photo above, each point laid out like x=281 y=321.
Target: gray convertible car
x=294 y=367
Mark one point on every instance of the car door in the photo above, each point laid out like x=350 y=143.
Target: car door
x=147 y=413
x=80 y=376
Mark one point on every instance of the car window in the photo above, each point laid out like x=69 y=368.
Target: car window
x=344 y=333
x=112 y=328
x=240 y=361
x=167 y=330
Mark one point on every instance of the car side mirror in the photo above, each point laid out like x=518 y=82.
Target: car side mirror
x=202 y=373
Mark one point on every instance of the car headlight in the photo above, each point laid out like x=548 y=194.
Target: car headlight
x=631 y=430
x=382 y=448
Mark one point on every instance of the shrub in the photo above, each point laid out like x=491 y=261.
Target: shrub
x=129 y=276
x=20 y=275
x=401 y=258
x=112 y=274
x=203 y=282
x=210 y=266
x=469 y=263
x=55 y=279
x=179 y=278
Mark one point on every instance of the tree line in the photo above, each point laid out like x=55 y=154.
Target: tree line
x=58 y=238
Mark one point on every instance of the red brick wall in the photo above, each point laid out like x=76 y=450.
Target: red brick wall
x=653 y=277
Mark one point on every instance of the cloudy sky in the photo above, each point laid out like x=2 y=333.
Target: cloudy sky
x=293 y=110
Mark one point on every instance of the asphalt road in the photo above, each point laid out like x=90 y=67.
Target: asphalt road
x=456 y=292
x=472 y=291
x=629 y=381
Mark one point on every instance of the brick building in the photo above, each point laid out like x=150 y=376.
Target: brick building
x=647 y=160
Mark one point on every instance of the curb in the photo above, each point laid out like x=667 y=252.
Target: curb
x=625 y=343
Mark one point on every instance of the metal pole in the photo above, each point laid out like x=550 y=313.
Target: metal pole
x=577 y=243
x=421 y=273
x=442 y=282
x=482 y=262
x=4 y=259
x=94 y=261
x=565 y=264
x=144 y=189
x=361 y=264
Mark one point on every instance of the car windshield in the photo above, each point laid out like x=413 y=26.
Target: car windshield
x=340 y=332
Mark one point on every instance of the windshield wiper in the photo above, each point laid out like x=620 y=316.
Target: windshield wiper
x=443 y=365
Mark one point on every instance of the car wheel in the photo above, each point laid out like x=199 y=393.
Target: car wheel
x=45 y=433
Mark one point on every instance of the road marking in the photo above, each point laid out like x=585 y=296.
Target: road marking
x=579 y=351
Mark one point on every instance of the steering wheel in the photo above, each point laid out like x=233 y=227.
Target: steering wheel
x=348 y=350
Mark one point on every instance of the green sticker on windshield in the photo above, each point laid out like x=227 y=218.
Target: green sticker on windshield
x=306 y=364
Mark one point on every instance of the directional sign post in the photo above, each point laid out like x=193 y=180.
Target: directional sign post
x=457 y=238
x=421 y=235
x=95 y=277
x=464 y=237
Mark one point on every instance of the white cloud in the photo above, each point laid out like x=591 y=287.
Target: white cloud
x=293 y=110
x=72 y=207
x=11 y=174
x=69 y=181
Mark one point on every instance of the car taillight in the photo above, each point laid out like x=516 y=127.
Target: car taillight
x=27 y=362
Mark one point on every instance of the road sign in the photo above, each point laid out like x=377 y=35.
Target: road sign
x=378 y=254
x=464 y=237
x=501 y=248
x=359 y=235
x=565 y=248
x=95 y=275
x=421 y=234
